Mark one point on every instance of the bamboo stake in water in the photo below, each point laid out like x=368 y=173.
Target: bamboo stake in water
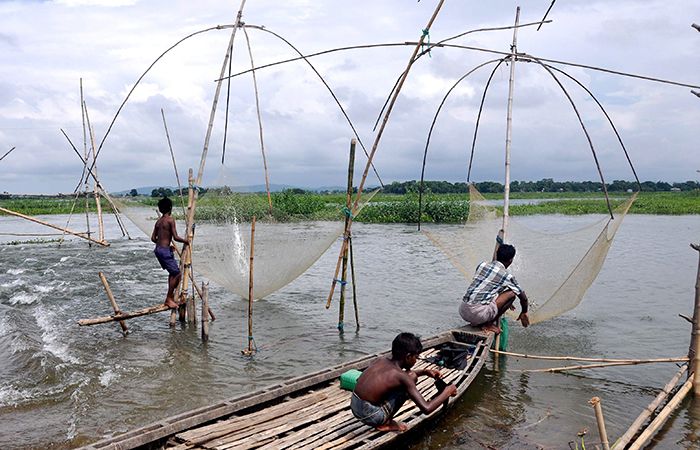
x=205 y=311
x=110 y=296
x=649 y=410
x=375 y=145
x=346 y=235
x=354 y=290
x=694 y=353
x=595 y=401
x=661 y=419
x=249 y=351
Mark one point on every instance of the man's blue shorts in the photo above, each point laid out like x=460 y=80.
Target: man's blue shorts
x=167 y=260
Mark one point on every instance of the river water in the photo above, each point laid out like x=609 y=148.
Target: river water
x=62 y=386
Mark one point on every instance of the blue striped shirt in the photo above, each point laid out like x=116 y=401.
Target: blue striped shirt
x=490 y=280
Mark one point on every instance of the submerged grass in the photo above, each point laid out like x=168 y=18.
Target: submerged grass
x=290 y=206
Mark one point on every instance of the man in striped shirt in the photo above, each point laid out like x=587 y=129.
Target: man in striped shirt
x=492 y=293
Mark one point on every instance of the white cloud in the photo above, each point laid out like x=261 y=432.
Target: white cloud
x=109 y=44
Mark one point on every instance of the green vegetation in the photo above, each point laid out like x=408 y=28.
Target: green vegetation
x=383 y=208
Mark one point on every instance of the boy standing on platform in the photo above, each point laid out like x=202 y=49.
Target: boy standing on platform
x=164 y=233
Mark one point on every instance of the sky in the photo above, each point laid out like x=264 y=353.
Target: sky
x=48 y=47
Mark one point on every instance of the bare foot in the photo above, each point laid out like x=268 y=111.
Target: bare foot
x=492 y=328
x=393 y=426
x=170 y=303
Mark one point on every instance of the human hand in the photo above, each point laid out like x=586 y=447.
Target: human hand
x=433 y=373
x=451 y=389
x=524 y=319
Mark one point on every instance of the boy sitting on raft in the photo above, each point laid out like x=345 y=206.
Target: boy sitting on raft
x=386 y=384
x=163 y=234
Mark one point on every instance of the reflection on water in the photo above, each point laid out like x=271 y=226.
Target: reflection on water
x=64 y=385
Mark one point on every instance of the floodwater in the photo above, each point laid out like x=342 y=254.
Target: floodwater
x=62 y=386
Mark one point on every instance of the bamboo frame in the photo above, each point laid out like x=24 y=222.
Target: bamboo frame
x=41 y=222
x=110 y=296
x=124 y=315
x=579 y=358
x=375 y=145
x=649 y=410
x=661 y=419
x=600 y=365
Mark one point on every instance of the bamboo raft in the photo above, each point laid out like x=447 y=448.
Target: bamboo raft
x=312 y=411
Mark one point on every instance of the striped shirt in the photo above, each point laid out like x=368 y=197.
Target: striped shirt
x=490 y=280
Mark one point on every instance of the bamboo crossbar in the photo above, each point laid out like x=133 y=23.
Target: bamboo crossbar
x=661 y=419
x=623 y=440
x=123 y=316
x=577 y=358
x=596 y=366
x=41 y=222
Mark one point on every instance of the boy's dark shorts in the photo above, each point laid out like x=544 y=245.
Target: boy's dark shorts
x=374 y=415
x=167 y=260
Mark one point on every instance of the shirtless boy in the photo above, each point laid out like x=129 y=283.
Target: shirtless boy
x=388 y=382
x=164 y=233
x=493 y=292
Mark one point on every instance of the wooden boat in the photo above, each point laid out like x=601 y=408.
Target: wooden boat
x=312 y=411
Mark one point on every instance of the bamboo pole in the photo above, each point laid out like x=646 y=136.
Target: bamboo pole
x=354 y=290
x=346 y=235
x=661 y=419
x=579 y=358
x=86 y=154
x=595 y=402
x=596 y=366
x=205 y=312
x=186 y=254
x=375 y=145
x=7 y=153
x=260 y=127
x=694 y=351
x=649 y=410
x=124 y=315
x=41 y=222
x=172 y=156
x=509 y=124
x=96 y=191
x=250 y=351
x=110 y=296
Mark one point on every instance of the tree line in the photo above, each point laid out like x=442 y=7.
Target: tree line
x=543 y=185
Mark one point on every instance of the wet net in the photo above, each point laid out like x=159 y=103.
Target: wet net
x=553 y=288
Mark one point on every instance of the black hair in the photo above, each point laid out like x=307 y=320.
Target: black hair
x=165 y=205
x=405 y=344
x=505 y=253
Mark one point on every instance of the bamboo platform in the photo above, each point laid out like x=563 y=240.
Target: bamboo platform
x=309 y=412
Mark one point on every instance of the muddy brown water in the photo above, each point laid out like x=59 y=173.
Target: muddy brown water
x=62 y=386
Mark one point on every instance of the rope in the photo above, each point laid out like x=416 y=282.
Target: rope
x=426 y=42
x=348 y=212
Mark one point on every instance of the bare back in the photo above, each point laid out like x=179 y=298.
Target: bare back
x=164 y=232
x=381 y=378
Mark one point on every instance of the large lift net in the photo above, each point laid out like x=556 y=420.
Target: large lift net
x=555 y=268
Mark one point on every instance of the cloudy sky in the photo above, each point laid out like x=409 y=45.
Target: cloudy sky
x=46 y=47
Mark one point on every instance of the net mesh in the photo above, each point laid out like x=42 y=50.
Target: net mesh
x=289 y=236
x=553 y=288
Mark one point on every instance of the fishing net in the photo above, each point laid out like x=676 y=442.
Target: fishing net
x=554 y=265
x=292 y=230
